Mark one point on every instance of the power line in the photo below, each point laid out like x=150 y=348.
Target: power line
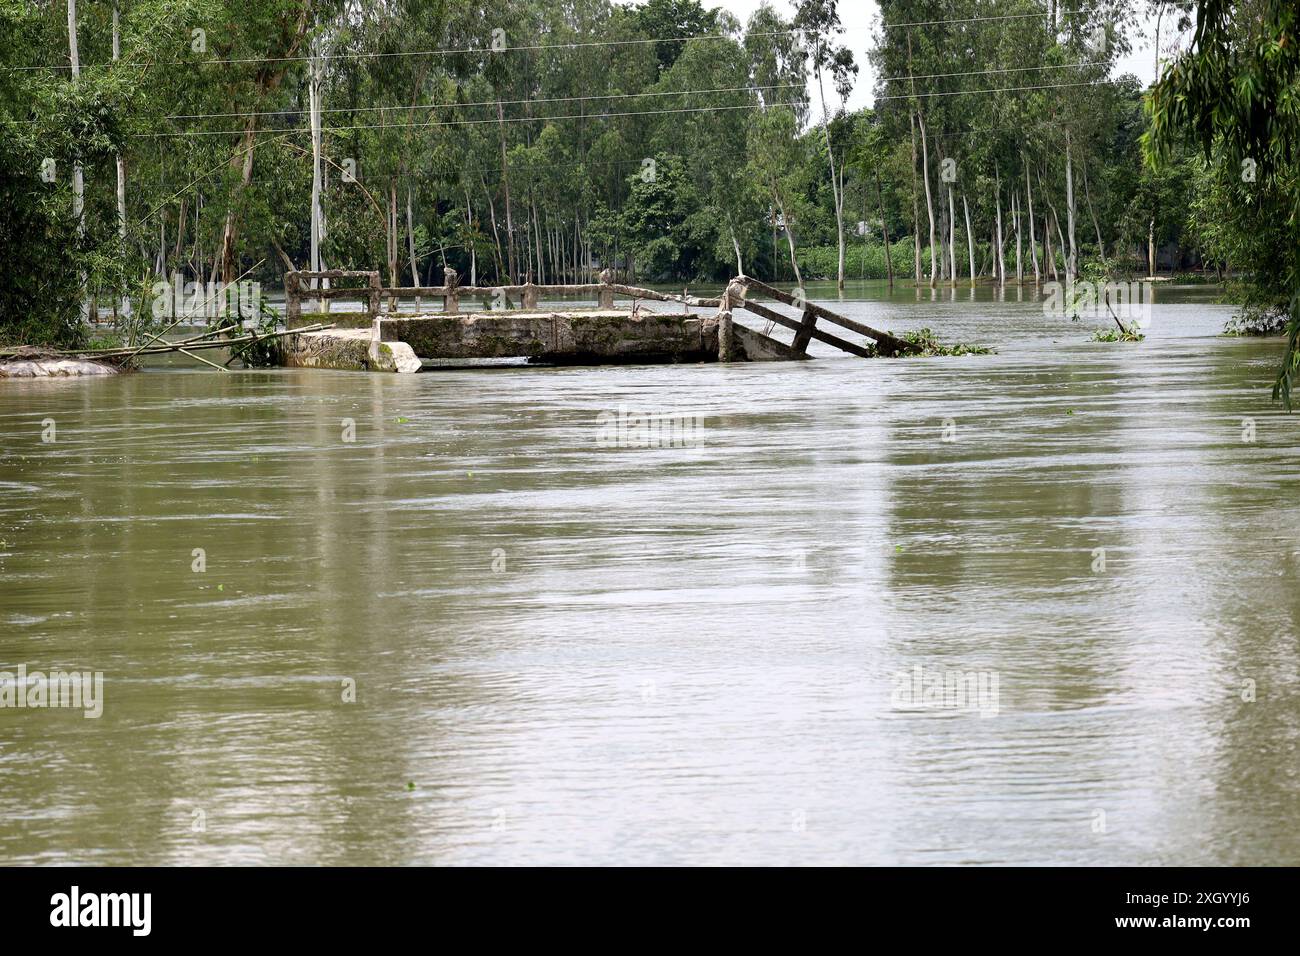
x=1013 y=69
x=602 y=116
x=581 y=44
x=607 y=96
x=1004 y=89
x=516 y=168
x=932 y=23
x=466 y=122
x=454 y=105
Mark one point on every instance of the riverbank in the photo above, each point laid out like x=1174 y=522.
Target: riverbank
x=35 y=362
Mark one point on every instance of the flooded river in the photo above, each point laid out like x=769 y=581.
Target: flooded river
x=482 y=632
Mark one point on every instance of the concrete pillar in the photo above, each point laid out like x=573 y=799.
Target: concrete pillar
x=292 y=303
x=373 y=282
x=606 y=293
x=726 y=338
x=450 y=282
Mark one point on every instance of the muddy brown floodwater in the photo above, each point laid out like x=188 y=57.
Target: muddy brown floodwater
x=1033 y=607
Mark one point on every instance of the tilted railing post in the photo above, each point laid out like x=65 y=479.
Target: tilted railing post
x=606 y=292
x=805 y=332
x=292 y=303
x=732 y=297
x=450 y=298
x=375 y=287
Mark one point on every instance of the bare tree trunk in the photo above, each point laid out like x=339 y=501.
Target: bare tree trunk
x=929 y=201
x=527 y=264
x=837 y=181
x=469 y=231
x=393 y=280
x=1072 y=263
x=496 y=233
x=505 y=183
x=180 y=234
x=1001 y=259
x=735 y=245
x=1151 y=247
x=196 y=257
x=161 y=258
x=315 y=85
x=1087 y=195
x=537 y=241
x=121 y=166
x=1048 y=255
x=1060 y=237
x=1056 y=220
x=916 y=209
x=78 y=184
x=1015 y=217
x=1033 y=248
x=410 y=245
x=970 y=238
x=789 y=235
x=884 y=231
x=224 y=264
x=952 y=239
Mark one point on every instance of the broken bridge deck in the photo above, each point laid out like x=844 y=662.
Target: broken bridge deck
x=399 y=342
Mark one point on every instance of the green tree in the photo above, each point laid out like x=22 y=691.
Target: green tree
x=1233 y=92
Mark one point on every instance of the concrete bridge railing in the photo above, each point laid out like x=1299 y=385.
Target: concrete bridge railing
x=298 y=287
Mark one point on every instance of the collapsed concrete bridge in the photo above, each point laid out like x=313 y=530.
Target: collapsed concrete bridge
x=393 y=341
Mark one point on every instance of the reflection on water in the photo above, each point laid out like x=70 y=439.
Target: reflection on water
x=565 y=652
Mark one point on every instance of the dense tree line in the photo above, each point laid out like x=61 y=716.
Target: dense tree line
x=516 y=139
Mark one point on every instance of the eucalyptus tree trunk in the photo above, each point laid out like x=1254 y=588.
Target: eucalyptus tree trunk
x=837 y=181
x=1015 y=216
x=952 y=239
x=180 y=233
x=1033 y=248
x=1056 y=220
x=1151 y=247
x=121 y=167
x=224 y=264
x=1060 y=238
x=735 y=245
x=1001 y=259
x=1049 y=257
x=1072 y=263
x=410 y=245
x=492 y=213
x=505 y=184
x=526 y=263
x=929 y=200
x=469 y=231
x=315 y=88
x=1092 y=211
x=78 y=184
x=393 y=279
x=537 y=243
x=789 y=235
x=160 y=260
x=884 y=230
x=970 y=238
x=916 y=209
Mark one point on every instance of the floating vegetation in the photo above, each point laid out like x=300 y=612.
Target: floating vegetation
x=1257 y=321
x=926 y=341
x=1118 y=335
